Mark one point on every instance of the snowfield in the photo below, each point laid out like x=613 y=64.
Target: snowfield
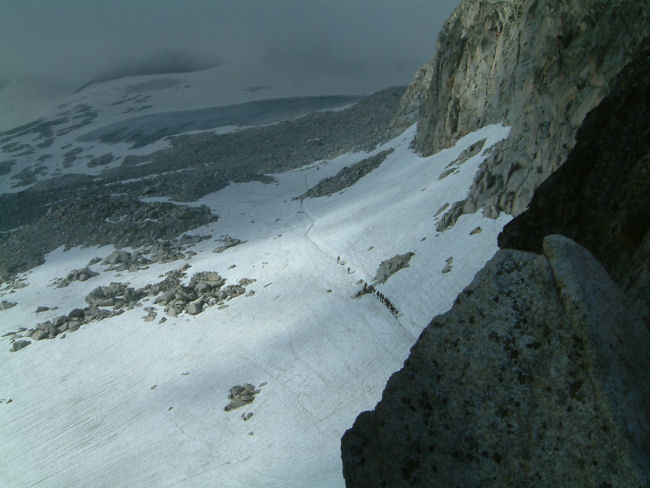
x=129 y=403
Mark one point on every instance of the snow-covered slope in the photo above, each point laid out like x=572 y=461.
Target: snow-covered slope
x=125 y=402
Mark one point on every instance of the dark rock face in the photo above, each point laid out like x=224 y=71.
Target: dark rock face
x=96 y=220
x=346 y=177
x=599 y=197
x=539 y=66
x=525 y=382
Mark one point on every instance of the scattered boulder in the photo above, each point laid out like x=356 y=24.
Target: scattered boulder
x=449 y=265
x=83 y=274
x=5 y=305
x=241 y=395
x=389 y=267
x=228 y=242
x=18 y=345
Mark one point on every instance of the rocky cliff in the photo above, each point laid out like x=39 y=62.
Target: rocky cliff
x=537 y=65
x=537 y=376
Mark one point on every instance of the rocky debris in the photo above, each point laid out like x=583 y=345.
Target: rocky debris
x=246 y=416
x=476 y=230
x=536 y=377
x=389 y=267
x=83 y=274
x=116 y=295
x=96 y=220
x=18 y=345
x=5 y=305
x=203 y=290
x=346 y=177
x=28 y=175
x=106 y=208
x=241 y=395
x=441 y=209
x=101 y=160
x=151 y=314
x=5 y=167
x=450 y=217
x=41 y=309
x=449 y=265
x=538 y=67
x=599 y=197
x=228 y=242
x=471 y=151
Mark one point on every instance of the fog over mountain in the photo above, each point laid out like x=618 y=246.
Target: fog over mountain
x=69 y=43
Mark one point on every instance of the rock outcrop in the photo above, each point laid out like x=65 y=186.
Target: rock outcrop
x=599 y=197
x=536 y=377
x=537 y=65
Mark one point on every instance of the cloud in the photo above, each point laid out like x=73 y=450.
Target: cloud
x=70 y=42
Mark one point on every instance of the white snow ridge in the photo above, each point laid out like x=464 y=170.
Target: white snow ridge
x=129 y=403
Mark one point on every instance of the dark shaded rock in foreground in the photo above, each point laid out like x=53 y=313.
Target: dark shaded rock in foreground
x=536 y=377
x=600 y=196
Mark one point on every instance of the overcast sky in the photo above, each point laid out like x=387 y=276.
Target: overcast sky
x=73 y=41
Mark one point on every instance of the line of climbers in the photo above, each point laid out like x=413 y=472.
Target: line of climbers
x=382 y=298
x=371 y=289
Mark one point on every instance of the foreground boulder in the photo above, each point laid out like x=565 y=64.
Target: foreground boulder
x=536 y=377
x=599 y=197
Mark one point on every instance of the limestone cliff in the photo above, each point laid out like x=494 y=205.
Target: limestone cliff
x=537 y=65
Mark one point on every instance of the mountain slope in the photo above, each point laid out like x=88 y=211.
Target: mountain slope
x=132 y=401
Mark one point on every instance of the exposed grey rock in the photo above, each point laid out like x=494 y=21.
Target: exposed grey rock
x=228 y=242
x=42 y=309
x=241 y=395
x=346 y=177
x=389 y=267
x=95 y=219
x=195 y=307
x=599 y=197
x=18 y=345
x=5 y=305
x=449 y=265
x=101 y=160
x=536 y=377
x=76 y=275
x=537 y=65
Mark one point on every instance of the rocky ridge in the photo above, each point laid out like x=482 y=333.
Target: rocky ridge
x=538 y=66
